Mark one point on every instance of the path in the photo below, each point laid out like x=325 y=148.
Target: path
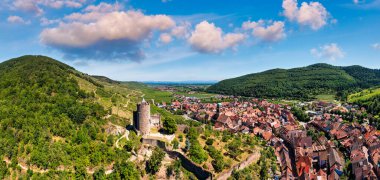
x=252 y=158
x=125 y=135
x=25 y=168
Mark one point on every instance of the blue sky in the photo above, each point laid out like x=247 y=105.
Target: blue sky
x=180 y=40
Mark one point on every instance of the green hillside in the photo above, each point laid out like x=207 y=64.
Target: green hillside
x=53 y=120
x=368 y=98
x=364 y=95
x=300 y=83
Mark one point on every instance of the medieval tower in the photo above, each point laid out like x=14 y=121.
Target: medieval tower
x=141 y=117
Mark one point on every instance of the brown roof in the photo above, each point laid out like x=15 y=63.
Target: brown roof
x=267 y=135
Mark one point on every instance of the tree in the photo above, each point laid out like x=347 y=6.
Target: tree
x=128 y=146
x=80 y=172
x=234 y=147
x=197 y=153
x=4 y=172
x=125 y=170
x=175 y=143
x=301 y=115
x=209 y=141
x=170 y=126
x=174 y=168
x=154 y=163
x=218 y=162
x=99 y=174
x=110 y=140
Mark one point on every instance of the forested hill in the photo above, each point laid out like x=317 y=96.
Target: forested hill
x=300 y=83
x=52 y=120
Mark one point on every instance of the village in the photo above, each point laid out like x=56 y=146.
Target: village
x=325 y=146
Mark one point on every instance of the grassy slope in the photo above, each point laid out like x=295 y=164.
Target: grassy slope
x=364 y=95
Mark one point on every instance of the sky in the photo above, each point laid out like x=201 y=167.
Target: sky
x=197 y=40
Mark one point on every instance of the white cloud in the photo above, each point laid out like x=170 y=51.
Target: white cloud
x=115 y=34
x=130 y=25
x=267 y=31
x=328 y=51
x=165 y=38
x=207 y=38
x=45 y=21
x=376 y=46
x=28 y=6
x=17 y=20
x=103 y=7
x=181 y=31
x=33 y=6
x=312 y=14
x=94 y=12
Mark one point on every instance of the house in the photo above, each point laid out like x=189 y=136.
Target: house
x=335 y=164
x=303 y=165
x=340 y=134
x=267 y=135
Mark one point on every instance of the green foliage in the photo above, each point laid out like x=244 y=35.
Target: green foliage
x=46 y=119
x=196 y=151
x=180 y=138
x=124 y=170
x=175 y=143
x=234 y=147
x=167 y=115
x=218 y=161
x=364 y=95
x=128 y=146
x=99 y=174
x=197 y=154
x=372 y=105
x=300 y=83
x=170 y=126
x=209 y=141
x=301 y=115
x=154 y=163
x=136 y=140
x=174 y=169
x=103 y=93
x=4 y=172
x=259 y=170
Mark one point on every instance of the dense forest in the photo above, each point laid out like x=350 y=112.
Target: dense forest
x=48 y=122
x=300 y=83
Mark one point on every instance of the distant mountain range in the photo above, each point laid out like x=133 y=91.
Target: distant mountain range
x=300 y=83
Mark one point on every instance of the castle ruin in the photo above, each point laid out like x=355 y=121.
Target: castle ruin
x=142 y=120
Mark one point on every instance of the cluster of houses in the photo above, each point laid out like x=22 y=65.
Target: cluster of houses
x=299 y=155
x=360 y=144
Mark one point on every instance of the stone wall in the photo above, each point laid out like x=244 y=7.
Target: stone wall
x=189 y=165
x=154 y=142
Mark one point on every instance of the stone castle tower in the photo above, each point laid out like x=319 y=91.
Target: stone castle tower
x=141 y=117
